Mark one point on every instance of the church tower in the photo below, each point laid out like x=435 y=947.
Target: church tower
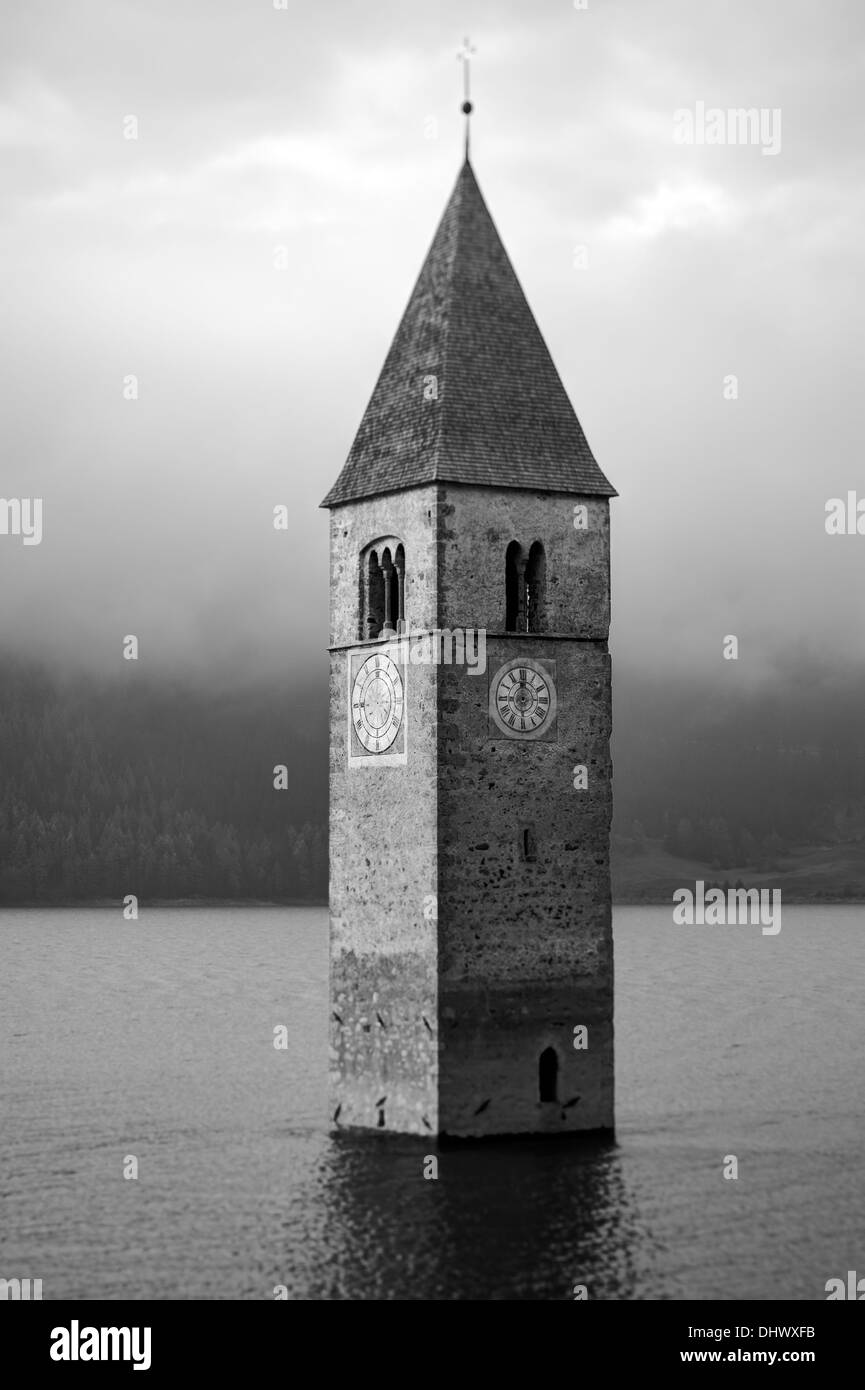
x=471 y=988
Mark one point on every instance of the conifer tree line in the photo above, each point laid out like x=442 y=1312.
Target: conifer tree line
x=745 y=780
x=166 y=793
x=166 y=790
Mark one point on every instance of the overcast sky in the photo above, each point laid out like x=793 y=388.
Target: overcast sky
x=333 y=130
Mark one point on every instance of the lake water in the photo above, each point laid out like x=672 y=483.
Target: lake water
x=155 y=1039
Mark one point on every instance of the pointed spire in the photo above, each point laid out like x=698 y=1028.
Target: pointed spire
x=469 y=392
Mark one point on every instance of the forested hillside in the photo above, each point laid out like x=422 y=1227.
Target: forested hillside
x=165 y=793
x=744 y=778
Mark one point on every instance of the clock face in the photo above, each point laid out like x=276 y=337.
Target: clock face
x=523 y=699
x=377 y=700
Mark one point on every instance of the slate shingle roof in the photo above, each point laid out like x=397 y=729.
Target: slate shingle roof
x=502 y=417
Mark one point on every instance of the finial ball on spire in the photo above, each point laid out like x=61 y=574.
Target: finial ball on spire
x=464 y=57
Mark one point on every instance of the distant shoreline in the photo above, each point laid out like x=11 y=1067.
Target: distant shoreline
x=109 y=904
x=788 y=899
x=148 y=904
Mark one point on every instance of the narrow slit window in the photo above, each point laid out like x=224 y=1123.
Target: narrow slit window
x=548 y=1074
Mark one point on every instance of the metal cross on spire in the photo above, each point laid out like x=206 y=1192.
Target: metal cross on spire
x=464 y=56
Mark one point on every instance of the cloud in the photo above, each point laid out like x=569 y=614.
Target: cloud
x=688 y=207
x=335 y=131
x=34 y=115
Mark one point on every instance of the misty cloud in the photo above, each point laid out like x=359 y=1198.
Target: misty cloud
x=310 y=130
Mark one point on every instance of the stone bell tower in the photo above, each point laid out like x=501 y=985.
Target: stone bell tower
x=471 y=986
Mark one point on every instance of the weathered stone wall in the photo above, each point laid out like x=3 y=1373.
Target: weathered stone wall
x=476 y=526
x=525 y=948
x=412 y=517
x=383 y=853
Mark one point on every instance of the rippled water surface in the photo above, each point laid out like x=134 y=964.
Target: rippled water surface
x=155 y=1039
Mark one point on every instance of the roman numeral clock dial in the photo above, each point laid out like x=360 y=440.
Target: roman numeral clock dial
x=376 y=709
x=523 y=700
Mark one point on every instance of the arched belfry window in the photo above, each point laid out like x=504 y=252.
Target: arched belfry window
x=548 y=1074
x=399 y=587
x=536 y=586
x=515 y=566
x=525 y=588
x=374 y=597
x=388 y=577
x=382 y=589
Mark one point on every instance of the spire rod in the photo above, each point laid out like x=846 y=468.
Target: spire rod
x=464 y=56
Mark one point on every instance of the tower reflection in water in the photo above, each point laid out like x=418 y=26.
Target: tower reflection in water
x=504 y=1219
